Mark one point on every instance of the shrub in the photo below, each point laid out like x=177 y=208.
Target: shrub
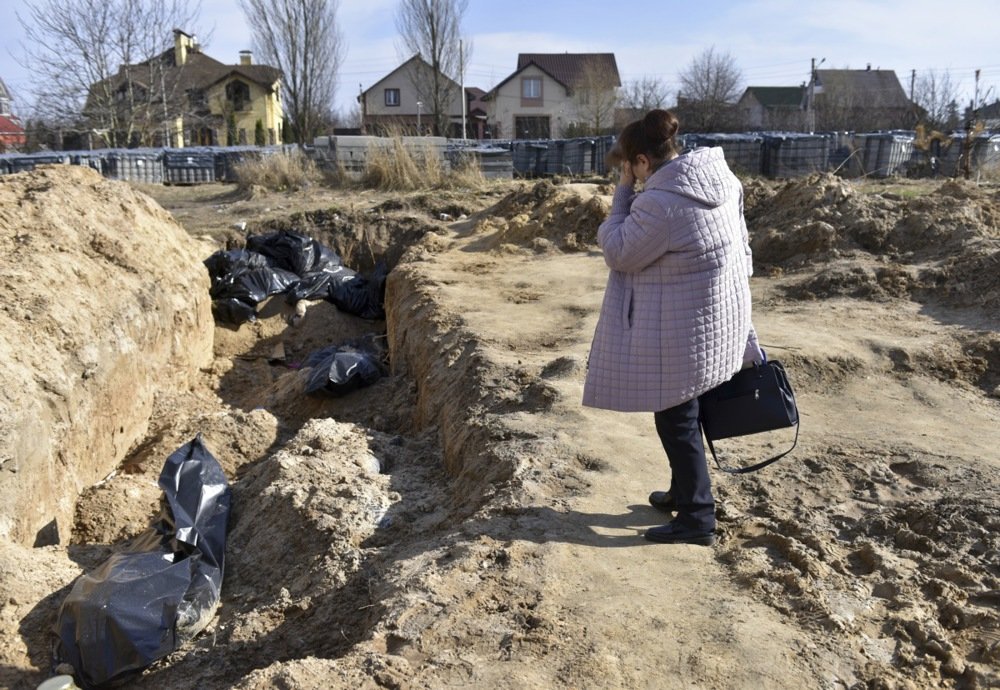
x=393 y=164
x=277 y=172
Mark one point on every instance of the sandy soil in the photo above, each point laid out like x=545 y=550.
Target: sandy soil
x=466 y=523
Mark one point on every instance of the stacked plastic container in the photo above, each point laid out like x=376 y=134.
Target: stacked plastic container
x=27 y=162
x=884 y=153
x=188 y=166
x=134 y=165
x=89 y=159
x=790 y=154
x=742 y=151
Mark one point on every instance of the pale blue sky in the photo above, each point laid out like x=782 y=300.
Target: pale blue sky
x=772 y=41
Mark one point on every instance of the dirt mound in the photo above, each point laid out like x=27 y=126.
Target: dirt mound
x=102 y=288
x=909 y=580
x=546 y=217
x=939 y=245
x=854 y=279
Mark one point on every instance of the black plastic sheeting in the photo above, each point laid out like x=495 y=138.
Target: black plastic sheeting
x=340 y=369
x=292 y=264
x=145 y=601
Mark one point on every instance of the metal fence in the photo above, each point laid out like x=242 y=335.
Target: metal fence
x=768 y=154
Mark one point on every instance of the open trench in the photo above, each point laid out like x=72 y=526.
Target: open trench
x=336 y=501
x=369 y=529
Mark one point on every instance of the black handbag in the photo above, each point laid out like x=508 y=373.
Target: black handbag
x=756 y=399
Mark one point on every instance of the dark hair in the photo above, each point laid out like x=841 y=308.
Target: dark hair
x=652 y=136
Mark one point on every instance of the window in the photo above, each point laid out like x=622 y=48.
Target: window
x=531 y=127
x=392 y=97
x=238 y=94
x=197 y=100
x=531 y=89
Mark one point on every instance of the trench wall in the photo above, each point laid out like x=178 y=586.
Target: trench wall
x=430 y=345
x=106 y=305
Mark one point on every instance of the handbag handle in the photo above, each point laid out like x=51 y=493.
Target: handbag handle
x=759 y=465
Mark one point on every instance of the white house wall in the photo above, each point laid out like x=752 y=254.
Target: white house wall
x=401 y=79
x=505 y=105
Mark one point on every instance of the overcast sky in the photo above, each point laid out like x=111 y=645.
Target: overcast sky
x=772 y=41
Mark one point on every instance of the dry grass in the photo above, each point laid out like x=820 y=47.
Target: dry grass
x=279 y=172
x=393 y=164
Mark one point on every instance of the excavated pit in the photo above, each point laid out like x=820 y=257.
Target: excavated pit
x=327 y=491
x=394 y=534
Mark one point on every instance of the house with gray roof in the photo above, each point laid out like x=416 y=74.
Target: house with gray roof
x=402 y=101
x=772 y=108
x=860 y=100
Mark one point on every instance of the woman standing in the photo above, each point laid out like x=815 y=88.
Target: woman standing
x=676 y=315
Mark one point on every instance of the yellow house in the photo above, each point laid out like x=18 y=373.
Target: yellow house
x=183 y=97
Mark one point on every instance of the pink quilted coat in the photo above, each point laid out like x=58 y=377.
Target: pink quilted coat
x=676 y=315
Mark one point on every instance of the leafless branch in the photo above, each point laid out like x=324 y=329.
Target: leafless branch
x=432 y=30
x=97 y=62
x=302 y=39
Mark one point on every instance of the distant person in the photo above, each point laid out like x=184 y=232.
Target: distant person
x=676 y=315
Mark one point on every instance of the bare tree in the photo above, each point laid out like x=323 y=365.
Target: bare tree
x=102 y=62
x=639 y=97
x=350 y=116
x=431 y=29
x=303 y=40
x=595 y=96
x=710 y=86
x=936 y=95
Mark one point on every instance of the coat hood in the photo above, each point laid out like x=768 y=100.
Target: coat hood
x=700 y=174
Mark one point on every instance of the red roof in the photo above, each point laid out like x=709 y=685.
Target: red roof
x=10 y=124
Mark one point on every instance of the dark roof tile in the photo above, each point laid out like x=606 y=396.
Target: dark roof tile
x=778 y=96
x=569 y=69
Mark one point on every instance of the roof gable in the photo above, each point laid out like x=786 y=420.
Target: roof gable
x=878 y=87
x=777 y=96
x=570 y=69
x=991 y=110
x=415 y=62
x=199 y=71
x=10 y=124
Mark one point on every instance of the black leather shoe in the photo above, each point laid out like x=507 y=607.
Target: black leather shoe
x=676 y=533
x=662 y=500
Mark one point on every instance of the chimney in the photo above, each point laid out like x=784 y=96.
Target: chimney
x=182 y=45
x=246 y=57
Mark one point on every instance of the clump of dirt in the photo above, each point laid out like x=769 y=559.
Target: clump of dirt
x=878 y=283
x=971 y=357
x=546 y=217
x=944 y=245
x=910 y=579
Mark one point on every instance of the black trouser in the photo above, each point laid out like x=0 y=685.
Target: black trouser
x=690 y=484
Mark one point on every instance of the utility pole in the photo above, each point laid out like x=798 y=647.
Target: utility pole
x=461 y=72
x=364 y=108
x=975 y=98
x=811 y=95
